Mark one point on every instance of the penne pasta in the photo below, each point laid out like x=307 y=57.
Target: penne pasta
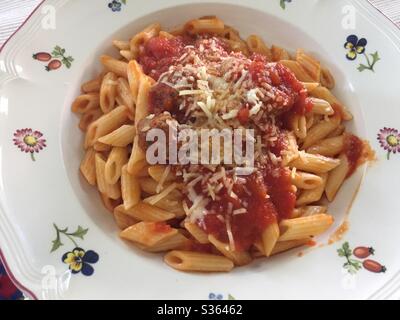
x=139 y=169
x=92 y=86
x=310 y=86
x=210 y=25
x=298 y=124
x=89 y=117
x=314 y=163
x=130 y=188
x=127 y=55
x=159 y=196
x=117 y=158
x=145 y=212
x=122 y=45
x=176 y=242
x=125 y=95
x=121 y=137
x=292 y=151
x=304 y=227
x=196 y=232
x=148 y=233
x=108 y=92
x=137 y=156
x=312 y=195
x=142 y=102
x=337 y=132
x=311 y=210
x=327 y=79
x=112 y=191
x=101 y=147
x=240 y=258
x=321 y=107
x=279 y=54
x=336 y=178
x=172 y=205
x=194 y=261
x=88 y=168
x=157 y=172
x=135 y=74
x=106 y=124
x=115 y=66
x=329 y=147
x=269 y=238
x=305 y=180
x=309 y=64
x=324 y=94
x=283 y=246
x=86 y=102
x=320 y=131
x=300 y=73
x=257 y=45
x=123 y=220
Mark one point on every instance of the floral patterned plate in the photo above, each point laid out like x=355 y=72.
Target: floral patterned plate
x=58 y=242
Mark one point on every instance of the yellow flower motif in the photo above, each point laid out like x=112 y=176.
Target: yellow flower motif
x=30 y=141
x=79 y=261
x=74 y=260
x=392 y=141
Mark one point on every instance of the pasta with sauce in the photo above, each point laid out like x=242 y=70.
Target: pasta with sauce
x=204 y=76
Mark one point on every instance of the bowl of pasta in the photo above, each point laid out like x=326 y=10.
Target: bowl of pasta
x=197 y=150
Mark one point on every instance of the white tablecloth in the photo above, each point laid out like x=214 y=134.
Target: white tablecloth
x=14 y=12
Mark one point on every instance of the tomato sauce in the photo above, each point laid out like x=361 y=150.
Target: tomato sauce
x=353 y=149
x=280 y=190
x=303 y=104
x=269 y=199
x=279 y=145
x=292 y=94
x=159 y=53
x=161 y=227
x=243 y=115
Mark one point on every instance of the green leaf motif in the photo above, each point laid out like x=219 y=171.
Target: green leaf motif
x=230 y=297
x=363 y=67
x=59 y=52
x=123 y=1
x=375 y=57
x=351 y=265
x=283 y=4
x=341 y=253
x=79 y=233
x=56 y=244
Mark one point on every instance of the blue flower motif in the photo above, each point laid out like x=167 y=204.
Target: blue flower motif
x=115 y=5
x=354 y=46
x=213 y=296
x=79 y=260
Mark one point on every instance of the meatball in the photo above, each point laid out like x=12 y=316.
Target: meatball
x=162 y=98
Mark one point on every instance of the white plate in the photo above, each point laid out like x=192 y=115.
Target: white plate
x=36 y=194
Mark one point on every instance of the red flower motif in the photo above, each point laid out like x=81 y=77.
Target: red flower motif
x=29 y=141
